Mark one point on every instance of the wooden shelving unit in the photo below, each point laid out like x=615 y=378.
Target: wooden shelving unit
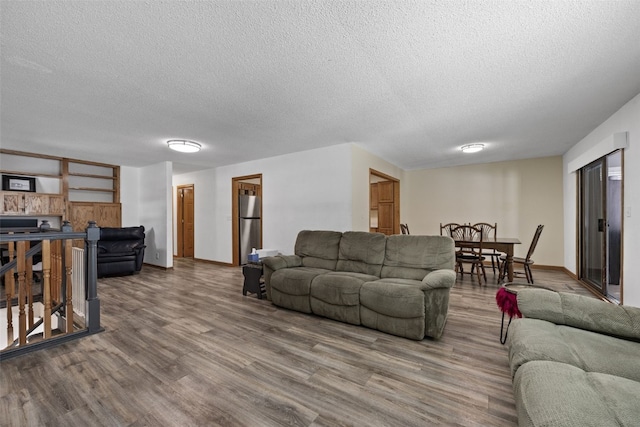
x=69 y=189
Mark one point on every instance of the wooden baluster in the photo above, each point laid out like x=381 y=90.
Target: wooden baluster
x=46 y=277
x=55 y=271
x=68 y=248
x=29 y=286
x=22 y=294
x=9 y=291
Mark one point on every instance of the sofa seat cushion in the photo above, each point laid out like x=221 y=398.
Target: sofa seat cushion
x=535 y=339
x=290 y=287
x=587 y=398
x=400 y=298
x=116 y=257
x=336 y=295
x=395 y=306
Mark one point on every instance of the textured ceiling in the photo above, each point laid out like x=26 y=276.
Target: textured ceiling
x=408 y=81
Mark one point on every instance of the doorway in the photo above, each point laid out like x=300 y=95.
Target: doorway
x=246 y=227
x=384 y=203
x=601 y=198
x=185 y=198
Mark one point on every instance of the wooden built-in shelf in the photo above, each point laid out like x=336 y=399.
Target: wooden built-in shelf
x=44 y=175
x=84 y=175
x=105 y=190
x=81 y=207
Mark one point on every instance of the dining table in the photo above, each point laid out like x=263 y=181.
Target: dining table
x=500 y=244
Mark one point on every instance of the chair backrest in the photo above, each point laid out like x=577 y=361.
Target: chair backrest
x=489 y=231
x=445 y=230
x=534 y=242
x=468 y=238
x=404 y=228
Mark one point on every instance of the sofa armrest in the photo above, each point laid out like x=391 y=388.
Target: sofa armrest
x=443 y=278
x=282 y=261
x=274 y=263
x=580 y=312
x=139 y=250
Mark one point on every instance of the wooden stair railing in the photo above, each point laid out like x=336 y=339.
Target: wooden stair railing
x=57 y=294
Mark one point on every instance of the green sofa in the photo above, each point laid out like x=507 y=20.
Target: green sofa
x=396 y=284
x=575 y=361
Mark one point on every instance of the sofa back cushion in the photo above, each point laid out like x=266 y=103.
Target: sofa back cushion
x=318 y=249
x=361 y=252
x=120 y=240
x=581 y=312
x=413 y=257
x=122 y=233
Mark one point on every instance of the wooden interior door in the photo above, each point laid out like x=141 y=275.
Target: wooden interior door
x=185 y=226
x=384 y=203
x=385 y=218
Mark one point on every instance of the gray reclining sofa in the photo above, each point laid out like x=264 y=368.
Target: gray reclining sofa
x=575 y=361
x=396 y=284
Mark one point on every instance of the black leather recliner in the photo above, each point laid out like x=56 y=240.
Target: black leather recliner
x=120 y=251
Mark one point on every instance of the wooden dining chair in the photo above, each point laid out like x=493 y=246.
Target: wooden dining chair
x=469 y=239
x=526 y=262
x=489 y=231
x=445 y=230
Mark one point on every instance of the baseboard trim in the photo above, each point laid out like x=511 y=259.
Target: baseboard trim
x=208 y=261
x=571 y=274
x=157 y=266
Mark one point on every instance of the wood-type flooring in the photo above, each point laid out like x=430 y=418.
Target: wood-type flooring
x=184 y=347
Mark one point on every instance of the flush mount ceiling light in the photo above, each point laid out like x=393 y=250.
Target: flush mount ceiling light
x=184 y=146
x=472 y=148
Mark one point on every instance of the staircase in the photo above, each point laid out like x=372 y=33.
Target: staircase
x=45 y=306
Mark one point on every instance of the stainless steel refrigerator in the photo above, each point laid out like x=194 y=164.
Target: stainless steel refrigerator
x=249 y=213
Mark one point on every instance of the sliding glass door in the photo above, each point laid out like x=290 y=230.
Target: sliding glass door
x=601 y=224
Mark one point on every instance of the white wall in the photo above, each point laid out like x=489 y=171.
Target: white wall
x=130 y=196
x=155 y=213
x=517 y=195
x=362 y=161
x=627 y=119
x=305 y=190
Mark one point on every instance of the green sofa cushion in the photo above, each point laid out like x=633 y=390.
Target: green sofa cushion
x=361 y=252
x=318 y=249
x=290 y=287
x=556 y=394
x=394 y=297
x=534 y=339
x=339 y=288
x=295 y=281
x=580 y=312
x=412 y=257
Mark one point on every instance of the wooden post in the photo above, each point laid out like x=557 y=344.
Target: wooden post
x=56 y=271
x=29 y=285
x=22 y=319
x=46 y=275
x=91 y=257
x=9 y=290
x=68 y=311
